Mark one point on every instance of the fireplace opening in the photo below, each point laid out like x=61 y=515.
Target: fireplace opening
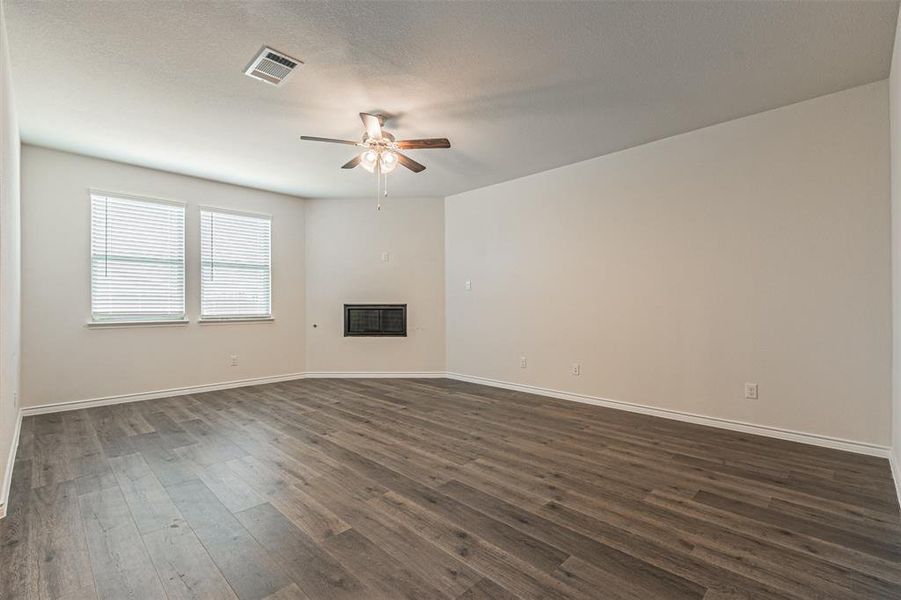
x=376 y=320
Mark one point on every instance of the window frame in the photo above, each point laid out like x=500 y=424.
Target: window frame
x=161 y=320
x=210 y=320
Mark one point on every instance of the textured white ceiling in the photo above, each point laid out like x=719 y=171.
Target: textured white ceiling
x=518 y=87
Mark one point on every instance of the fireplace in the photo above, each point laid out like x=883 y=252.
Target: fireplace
x=375 y=320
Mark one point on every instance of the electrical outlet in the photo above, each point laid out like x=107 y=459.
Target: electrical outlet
x=751 y=391
x=234 y=360
x=385 y=257
x=468 y=285
x=577 y=369
x=522 y=362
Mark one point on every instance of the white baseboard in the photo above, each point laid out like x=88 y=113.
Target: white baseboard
x=120 y=399
x=895 y=461
x=375 y=374
x=764 y=430
x=10 y=463
x=225 y=385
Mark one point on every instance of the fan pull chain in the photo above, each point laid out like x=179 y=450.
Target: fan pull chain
x=378 y=189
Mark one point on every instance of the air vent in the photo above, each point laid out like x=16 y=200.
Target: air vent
x=271 y=66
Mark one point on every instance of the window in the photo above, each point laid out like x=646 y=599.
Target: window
x=234 y=266
x=137 y=259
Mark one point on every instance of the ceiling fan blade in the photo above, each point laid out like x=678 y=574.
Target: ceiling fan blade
x=423 y=144
x=409 y=163
x=373 y=125
x=352 y=162
x=330 y=140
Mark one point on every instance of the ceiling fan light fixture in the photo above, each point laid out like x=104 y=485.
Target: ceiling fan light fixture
x=369 y=159
x=388 y=161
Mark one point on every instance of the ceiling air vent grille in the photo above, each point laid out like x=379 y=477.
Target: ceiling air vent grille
x=271 y=66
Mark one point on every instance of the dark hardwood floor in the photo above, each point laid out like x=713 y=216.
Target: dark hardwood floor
x=420 y=489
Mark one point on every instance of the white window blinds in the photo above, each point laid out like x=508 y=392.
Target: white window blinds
x=137 y=259
x=234 y=265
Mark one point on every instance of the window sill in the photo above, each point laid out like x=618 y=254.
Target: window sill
x=225 y=321
x=122 y=324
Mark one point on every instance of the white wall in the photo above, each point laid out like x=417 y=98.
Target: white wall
x=345 y=241
x=10 y=287
x=895 y=110
x=65 y=361
x=752 y=251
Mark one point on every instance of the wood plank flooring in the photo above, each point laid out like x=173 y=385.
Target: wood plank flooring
x=432 y=489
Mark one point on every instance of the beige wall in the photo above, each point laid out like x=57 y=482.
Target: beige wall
x=345 y=241
x=895 y=129
x=752 y=251
x=340 y=242
x=10 y=281
x=64 y=361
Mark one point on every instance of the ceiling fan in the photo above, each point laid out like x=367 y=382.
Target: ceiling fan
x=381 y=151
